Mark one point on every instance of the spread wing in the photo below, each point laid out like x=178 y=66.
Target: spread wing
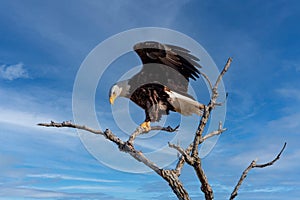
x=169 y=65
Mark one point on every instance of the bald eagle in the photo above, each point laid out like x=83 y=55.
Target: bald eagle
x=162 y=84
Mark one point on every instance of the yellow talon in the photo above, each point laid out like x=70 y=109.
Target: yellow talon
x=146 y=126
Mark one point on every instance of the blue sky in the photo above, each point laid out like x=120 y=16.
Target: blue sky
x=43 y=44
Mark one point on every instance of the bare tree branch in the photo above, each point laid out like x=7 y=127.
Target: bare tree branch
x=140 y=131
x=207 y=79
x=225 y=69
x=176 y=185
x=214 y=133
x=185 y=154
x=181 y=160
x=208 y=109
x=205 y=187
x=251 y=166
x=70 y=125
x=167 y=129
x=273 y=161
x=168 y=175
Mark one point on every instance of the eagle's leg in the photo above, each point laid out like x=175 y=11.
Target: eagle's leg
x=146 y=128
x=146 y=125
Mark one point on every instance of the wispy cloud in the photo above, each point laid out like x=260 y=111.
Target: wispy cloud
x=291 y=65
x=20 y=118
x=289 y=123
x=72 y=178
x=36 y=193
x=30 y=193
x=28 y=106
x=29 y=120
x=290 y=93
x=52 y=28
x=12 y=72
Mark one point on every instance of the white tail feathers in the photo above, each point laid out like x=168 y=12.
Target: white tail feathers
x=185 y=105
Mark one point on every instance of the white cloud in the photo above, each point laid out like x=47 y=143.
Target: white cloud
x=12 y=72
x=29 y=120
x=18 y=118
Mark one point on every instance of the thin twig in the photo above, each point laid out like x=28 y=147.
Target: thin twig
x=181 y=160
x=185 y=154
x=211 y=134
x=273 y=161
x=123 y=146
x=167 y=129
x=207 y=79
x=70 y=125
x=251 y=166
x=140 y=130
x=225 y=69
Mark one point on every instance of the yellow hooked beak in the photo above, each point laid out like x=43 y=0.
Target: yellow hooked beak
x=112 y=99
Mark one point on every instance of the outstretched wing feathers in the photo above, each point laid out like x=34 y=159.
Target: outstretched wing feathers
x=188 y=56
x=177 y=48
x=189 y=65
x=185 y=54
x=172 y=56
x=173 y=59
x=181 y=65
x=183 y=59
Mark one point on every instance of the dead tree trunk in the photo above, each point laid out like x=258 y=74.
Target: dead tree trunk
x=188 y=155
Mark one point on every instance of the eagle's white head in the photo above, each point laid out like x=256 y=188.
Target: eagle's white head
x=119 y=89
